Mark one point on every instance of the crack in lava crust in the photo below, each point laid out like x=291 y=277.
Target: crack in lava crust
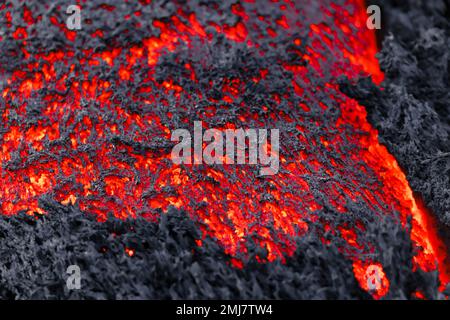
x=91 y=127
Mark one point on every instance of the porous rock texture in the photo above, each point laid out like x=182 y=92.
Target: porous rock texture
x=412 y=116
x=412 y=111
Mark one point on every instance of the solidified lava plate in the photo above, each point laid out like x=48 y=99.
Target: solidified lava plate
x=87 y=120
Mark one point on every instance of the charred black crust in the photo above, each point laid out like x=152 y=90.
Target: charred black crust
x=35 y=251
x=412 y=112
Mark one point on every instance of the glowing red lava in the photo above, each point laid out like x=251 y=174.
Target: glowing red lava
x=68 y=152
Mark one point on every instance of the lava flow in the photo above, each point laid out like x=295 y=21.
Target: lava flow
x=87 y=123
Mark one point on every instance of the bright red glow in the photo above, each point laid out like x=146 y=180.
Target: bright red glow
x=227 y=206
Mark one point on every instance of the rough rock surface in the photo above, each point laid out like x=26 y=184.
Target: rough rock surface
x=412 y=115
x=412 y=112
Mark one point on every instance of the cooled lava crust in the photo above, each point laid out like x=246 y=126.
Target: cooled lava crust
x=87 y=177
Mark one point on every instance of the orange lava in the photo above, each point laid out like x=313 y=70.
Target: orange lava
x=230 y=210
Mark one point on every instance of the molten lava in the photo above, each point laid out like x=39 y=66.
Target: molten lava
x=91 y=128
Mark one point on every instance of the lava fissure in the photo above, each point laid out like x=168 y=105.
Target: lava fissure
x=87 y=121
